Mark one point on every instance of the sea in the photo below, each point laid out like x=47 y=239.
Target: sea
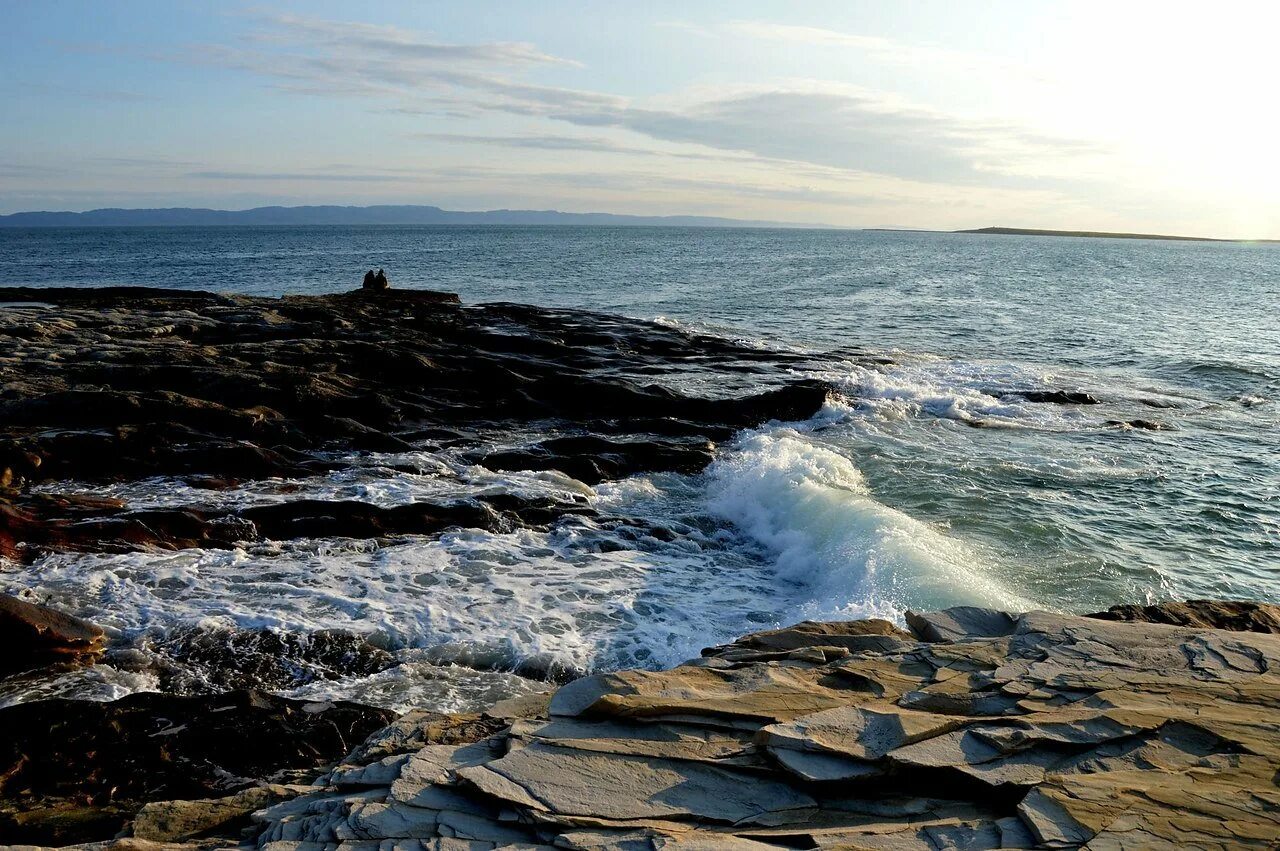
x=922 y=484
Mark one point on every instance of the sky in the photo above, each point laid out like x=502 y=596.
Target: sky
x=1134 y=116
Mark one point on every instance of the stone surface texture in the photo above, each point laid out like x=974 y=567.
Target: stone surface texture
x=34 y=635
x=981 y=730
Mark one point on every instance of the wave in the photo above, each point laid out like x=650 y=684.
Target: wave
x=969 y=392
x=850 y=555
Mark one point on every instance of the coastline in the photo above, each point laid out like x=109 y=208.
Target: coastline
x=1140 y=726
x=973 y=727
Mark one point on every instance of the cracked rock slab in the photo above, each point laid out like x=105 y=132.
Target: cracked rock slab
x=988 y=730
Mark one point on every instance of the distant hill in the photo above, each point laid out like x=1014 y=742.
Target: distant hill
x=378 y=215
x=1104 y=234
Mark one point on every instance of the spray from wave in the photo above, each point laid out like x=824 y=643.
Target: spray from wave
x=851 y=555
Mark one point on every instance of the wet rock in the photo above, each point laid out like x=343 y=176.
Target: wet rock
x=1145 y=425
x=34 y=636
x=118 y=384
x=1002 y=731
x=593 y=459
x=86 y=768
x=1054 y=397
x=1237 y=616
x=32 y=525
x=220 y=659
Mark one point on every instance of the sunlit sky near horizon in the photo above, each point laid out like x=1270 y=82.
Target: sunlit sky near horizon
x=1156 y=117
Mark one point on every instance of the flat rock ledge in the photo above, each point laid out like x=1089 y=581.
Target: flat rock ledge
x=976 y=730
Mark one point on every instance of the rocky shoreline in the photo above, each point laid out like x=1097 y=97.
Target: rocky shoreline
x=1140 y=727
x=208 y=394
x=116 y=384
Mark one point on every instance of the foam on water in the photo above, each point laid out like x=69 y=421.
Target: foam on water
x=968 y=391
x=782 y=526
x=102 y=682
x=851 y=555
x=378 y=478
x=580 y=597
x=778 y=529
x=417 y=685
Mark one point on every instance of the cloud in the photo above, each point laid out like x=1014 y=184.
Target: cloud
x=634 y=182
x=316 y=56
x=309 y=176
x=399 y=43
x=850 y=130
x=23 y=170
x=591 y=144
x=812 y=123
x=143 y=162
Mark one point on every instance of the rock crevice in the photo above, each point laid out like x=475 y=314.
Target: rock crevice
x=987 y=731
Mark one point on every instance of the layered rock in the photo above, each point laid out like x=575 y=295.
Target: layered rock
x=1241 y=616
x=119 y=384
x=981 y=730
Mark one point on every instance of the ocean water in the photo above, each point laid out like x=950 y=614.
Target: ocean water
x=922 y=484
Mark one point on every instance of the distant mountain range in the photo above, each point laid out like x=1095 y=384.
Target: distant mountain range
x=379 y=215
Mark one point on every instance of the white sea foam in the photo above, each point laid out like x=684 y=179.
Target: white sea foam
x=971 y=392
x=781 y=527
x=581 y=597
x=377 y=478
x=415 y=685
x=805 y=537
x=103 y=682
x=849 y=554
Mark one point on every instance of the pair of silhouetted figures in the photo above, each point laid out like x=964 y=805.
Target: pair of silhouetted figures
x=375 y=282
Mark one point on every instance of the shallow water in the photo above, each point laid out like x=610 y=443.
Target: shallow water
x=927 y=482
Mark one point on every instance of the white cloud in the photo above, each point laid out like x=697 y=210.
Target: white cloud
x=809 y=122
x=799 y=143
x=396 y=42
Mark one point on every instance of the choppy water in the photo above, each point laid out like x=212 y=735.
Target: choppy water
x=924 y=484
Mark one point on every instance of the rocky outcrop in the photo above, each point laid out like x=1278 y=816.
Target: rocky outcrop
x=121 y=384
x=978 y=730
x=73 y=771
x=1234 y=615
x=34 y=636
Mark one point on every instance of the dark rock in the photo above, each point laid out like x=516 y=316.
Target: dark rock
x=220 y=659
x=36 y=524
x=34 y=636
x=131 y=383
x=593 y=459
x=85 y=768
x=1238 y=616
x=1054 y=397
x=1147 y=425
